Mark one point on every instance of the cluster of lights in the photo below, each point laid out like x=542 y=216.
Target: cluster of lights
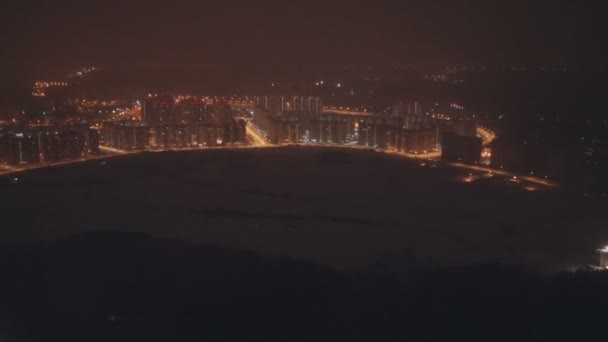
x=133 y=112
x=435 y=77
x=85 y=71
x=486 y=153
x=487 y=135
x=353 y=110
x=45 y=84
x=441 y=116
x=232 y=100
x=321 y=83
x=39 y=88
x=96 y=103
x=181 y=98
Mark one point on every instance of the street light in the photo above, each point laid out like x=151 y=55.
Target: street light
x=603 y=257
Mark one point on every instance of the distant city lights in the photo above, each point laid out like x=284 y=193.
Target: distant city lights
x=39 y=88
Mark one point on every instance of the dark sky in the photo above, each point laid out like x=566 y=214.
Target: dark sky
x=228 y=35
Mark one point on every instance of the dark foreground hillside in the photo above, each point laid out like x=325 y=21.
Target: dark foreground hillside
x=339 y=207
x=110 y=286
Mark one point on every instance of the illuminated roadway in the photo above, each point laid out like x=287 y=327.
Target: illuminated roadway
x=254 y=135
x=259 y=141
x=486 y=135
x=6 y=170
x=347 y=112
x=511 y=175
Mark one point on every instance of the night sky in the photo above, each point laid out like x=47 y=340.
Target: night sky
x=38 y=37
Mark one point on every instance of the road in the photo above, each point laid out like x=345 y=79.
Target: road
x=347 y=112
x=255 y=135
x=512 y=175
x=259 y=141
x=487 y=136
x=26 y=167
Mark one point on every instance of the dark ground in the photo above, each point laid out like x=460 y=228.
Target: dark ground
x=343 y=208
x=292 y=244
x=127 y=286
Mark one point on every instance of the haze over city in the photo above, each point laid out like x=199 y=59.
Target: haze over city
x=339 y=170
x=297 y=37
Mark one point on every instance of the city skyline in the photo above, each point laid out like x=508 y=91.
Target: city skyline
x=235 y=170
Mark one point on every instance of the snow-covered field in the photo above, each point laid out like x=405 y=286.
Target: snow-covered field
x=346 y=208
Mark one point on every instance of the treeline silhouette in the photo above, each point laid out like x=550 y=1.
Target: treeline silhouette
x=109 y=286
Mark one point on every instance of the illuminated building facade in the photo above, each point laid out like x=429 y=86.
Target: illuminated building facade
x=47 y=144
x=277 y=105
x=188 y=121
x=126 y=135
